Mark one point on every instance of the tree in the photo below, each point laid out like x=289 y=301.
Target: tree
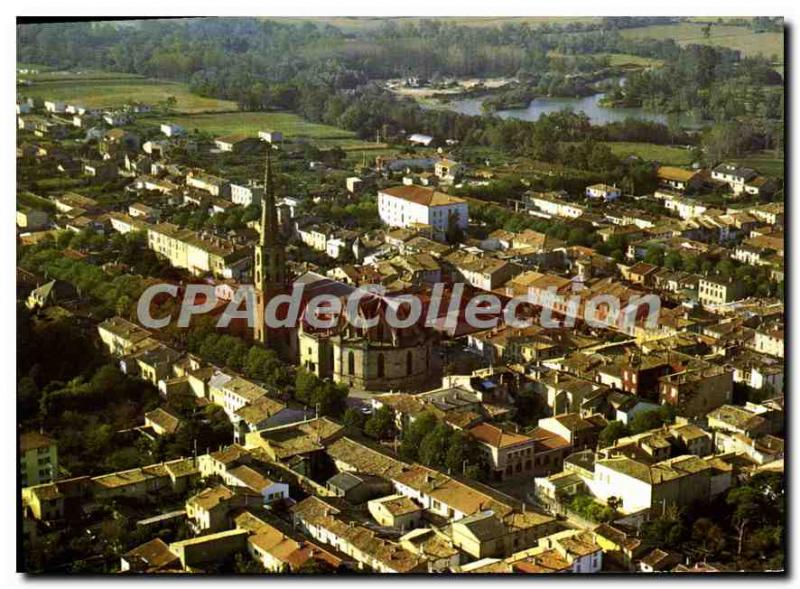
x=462 y=453
x=414 y=434
x=380 y=424
x=612 y=432
x=652 y=419
x=709 y=537
x=454 y=234
x=264 y=365
x=170 y=103
x=353 y=419
x=434 y=446
x=673 y=260
x=746 y=509
x=663 y=531
x=654 y=255
x=531 y=407
x=305 y=383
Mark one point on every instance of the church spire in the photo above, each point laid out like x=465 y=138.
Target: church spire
x=269 y=268
x=269 y=215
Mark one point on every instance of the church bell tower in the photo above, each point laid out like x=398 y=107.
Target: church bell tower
x=269 y=268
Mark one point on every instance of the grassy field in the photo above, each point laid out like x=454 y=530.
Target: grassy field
x=740 y=38
x=618 y=59
x=80 y=76
x=626 y=60
x=665 y=154
x=109 y=90
x=764 y=162
x=250 y=123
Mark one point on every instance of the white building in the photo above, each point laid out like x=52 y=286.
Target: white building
x=117 y=119
x=421 y=139
x=769 y=341
x=244 y=476
x=448 y=171
x=405 y=206
x=171 y=130
x=271 y=136
x=686 y=208
x=354 y=184
x=232 y=392
x=556 y=207
x=604 y=191
x=245 y=195
x=334 y=247
x=54 y=106
x=734 y=176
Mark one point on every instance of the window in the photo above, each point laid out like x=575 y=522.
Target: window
x=380 y=366
x=409 y=363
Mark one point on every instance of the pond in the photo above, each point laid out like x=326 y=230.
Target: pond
x=590 y=105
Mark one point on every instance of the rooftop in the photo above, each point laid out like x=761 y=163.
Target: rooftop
x=397 y=505
x=33 y=441
x=496 y=437
x=422 y=196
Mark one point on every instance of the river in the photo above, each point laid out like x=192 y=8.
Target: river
x=590 y=105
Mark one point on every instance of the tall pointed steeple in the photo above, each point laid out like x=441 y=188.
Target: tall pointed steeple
x=269 y=214
x=269 y=268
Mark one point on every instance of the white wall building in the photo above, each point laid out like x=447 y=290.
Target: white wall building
x=603 y=191
x=171 y=130
x=246 y=195
x=405 y=206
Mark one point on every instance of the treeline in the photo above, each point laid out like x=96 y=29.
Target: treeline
x=711 y=81
x=326 y=75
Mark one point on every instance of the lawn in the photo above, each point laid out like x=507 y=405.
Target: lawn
x=250 y=123
x=741 y=38
x=108 y=90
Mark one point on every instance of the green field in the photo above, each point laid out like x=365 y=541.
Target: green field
x=740 y=38
x=80 y=76
x=764 y=162
x=664 y=154
x=618 y=59
x=250 y=123
x=110 y=90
